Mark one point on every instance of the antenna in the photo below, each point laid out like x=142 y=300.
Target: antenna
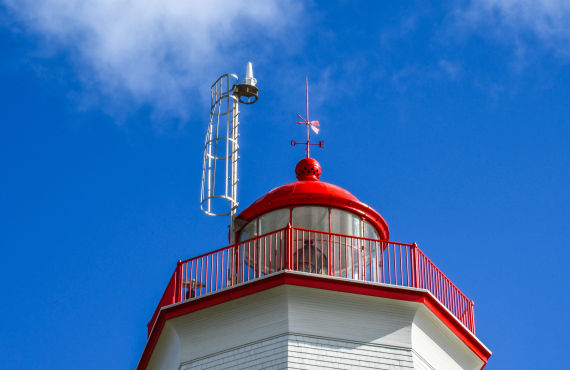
x=218 y=195
x=313 y=125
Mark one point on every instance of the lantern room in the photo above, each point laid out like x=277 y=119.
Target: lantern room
x=312 y=206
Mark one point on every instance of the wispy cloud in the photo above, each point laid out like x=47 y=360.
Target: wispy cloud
x=415 y=75
x=515 y=21
x=154 y=53
x=451 y=69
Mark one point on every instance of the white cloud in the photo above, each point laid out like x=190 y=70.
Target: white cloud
x=514 y=20
x=155 y=53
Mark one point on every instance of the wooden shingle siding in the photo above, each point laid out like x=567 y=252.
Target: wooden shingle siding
x=310 y=353
x=348 y=316
x=293 y=351
x=438 y=346
x=265 y=354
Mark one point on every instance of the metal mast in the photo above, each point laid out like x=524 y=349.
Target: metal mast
x=218 y=195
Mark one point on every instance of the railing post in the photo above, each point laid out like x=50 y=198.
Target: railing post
x=178 y=282
x=236 y=264
x=289 y=246
x=415 y=265
x=472 y=316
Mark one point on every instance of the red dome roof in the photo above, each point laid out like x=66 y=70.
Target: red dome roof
x=314 y=192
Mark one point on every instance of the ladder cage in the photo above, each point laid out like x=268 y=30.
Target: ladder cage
x=219 y=172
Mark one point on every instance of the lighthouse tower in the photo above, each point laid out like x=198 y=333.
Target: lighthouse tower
x=311 y=280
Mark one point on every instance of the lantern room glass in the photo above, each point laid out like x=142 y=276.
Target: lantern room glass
x=342 y=253
x=249 y=231
x=274 y=220
x=312 y=218
x=345 y=223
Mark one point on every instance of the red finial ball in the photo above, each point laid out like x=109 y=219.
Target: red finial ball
x=308 y=169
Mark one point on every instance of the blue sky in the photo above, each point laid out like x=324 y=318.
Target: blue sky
x=451 y=120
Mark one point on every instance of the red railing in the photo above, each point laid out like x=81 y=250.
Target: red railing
x=316 y=252
x=431 y=278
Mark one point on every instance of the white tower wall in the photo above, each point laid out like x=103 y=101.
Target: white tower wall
x=299 y=327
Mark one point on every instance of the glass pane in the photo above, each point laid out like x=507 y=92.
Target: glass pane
x=370 y=231
x=274 y=220
x=271 y=248
x=372 y=260
x=249 y=231
x=313 y=218
x=345 y=223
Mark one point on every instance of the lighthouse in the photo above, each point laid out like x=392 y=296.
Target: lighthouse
x=310 y=279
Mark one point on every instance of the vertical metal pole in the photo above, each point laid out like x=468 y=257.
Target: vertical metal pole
x=178 y=282
x=389 y=266
x=303 y=246
x=289 y=241
x=472 y=317
x=415 y=266
x=307 y=96
x=234 y=170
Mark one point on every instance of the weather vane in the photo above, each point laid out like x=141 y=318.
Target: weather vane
x=313 y=125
